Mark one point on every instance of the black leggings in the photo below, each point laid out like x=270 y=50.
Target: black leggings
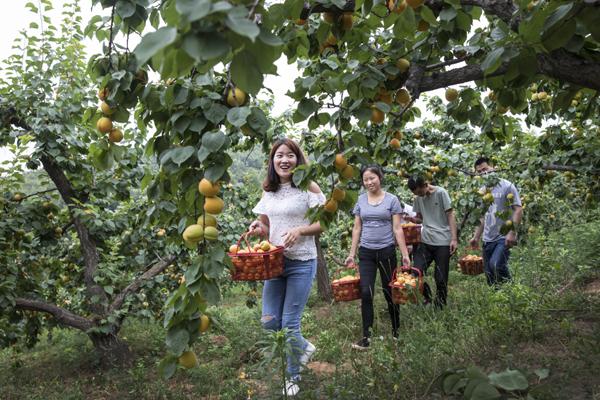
x=369 y=262
x=423 y=256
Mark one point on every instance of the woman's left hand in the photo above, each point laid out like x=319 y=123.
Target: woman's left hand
x=291 y=236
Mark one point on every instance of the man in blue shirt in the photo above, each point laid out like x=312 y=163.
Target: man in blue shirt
x=498 y=235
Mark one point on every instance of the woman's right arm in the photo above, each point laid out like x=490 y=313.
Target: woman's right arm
x=356 y=230
x=260 y=226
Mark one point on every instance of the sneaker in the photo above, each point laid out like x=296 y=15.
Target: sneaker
x=308 y=352
x=291 y=388
x=362 y=344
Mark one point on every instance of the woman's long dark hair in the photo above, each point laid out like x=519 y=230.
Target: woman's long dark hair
x=271 y=183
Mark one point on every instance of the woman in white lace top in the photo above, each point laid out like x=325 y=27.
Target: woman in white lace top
x=282 y=218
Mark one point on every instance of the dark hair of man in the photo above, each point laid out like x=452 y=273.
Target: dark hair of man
x=482 y=160
x=373 y=168
x=415 y=182
x=271 y=182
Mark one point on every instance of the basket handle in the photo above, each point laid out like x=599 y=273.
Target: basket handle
x=405 y=268
x=245 y=237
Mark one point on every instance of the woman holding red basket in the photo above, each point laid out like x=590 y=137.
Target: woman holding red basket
x=282 y=218
x=378 y=230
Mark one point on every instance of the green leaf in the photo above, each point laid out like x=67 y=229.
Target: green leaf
x=213 y=140
x=427 y=15
x=216 y=113
x=207 y=46
x=555 y=18
x=181 y=154
x=509 y=380
x=307 y=106
x=214 y=172
x=484 y=391
x=237 y=116
x=557 y=38
x=124 y=8
x=492 y=61
x=167 y=367
x=177 y=340
x=245 y=74
x=542 y=373
x=238 y=22
x=154 y=42
x=193 y=10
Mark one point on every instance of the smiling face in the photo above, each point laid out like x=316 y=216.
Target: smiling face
x=284 y=161
x=371 y=181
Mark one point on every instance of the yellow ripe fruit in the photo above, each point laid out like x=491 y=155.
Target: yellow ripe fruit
x=414 y=3
x=451 y=94
x=331 y=206
x=542 y=95
x=207 y=188
x=236 y=97
x=234 y=248
x=103 y=94
x=104 y=125
x=403 y=96
x=377 y=116
x=115 y=136
x=211 y=233
x=188 y=360
x=422 y=26
x=105 y=108
x=265 y=245
x=534 y=97
x=17 y=197
x=207 y=220
x=510 y=196
x=300 y=21
x=329 y=17
x=340 y=162
x=346 y=20
x=395 y=144
x=347 y=172
x=204 y=323
x=338 y=194
x=161 y=232
x=403 y=64
x=193 y=233
x=398 y=135
x=213 y=205
x=488 y=198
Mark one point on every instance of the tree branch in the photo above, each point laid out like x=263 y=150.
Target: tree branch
x=456 y=76
x=134 y=286
x=64 y=317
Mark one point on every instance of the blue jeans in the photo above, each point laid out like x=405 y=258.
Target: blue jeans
x=284 y=299
x=495 y=261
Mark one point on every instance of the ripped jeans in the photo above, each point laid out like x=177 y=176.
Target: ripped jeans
x=284 y=299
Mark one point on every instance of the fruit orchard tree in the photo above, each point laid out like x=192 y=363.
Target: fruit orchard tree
x=363 y=65
x=78 y=246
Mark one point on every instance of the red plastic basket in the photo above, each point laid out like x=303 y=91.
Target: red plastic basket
x=348 y=289
x=403 y=293
x=412 y=233
x=256 y=266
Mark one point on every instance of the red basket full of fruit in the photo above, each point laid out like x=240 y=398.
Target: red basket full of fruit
x=405 y=286
x=471 y=264
x=255 y=262
x=346 y=287
x=412 y=233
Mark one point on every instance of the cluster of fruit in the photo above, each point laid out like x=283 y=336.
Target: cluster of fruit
x=347 y=287
x=406 y=279
x=346 y=278
x=338 y=194
x=471 y=264
x=472 y=257
x=206 y=225
x=105 y=124
x=261 y=261
x=404 y=288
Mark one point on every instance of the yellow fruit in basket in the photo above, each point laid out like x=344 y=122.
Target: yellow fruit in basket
x=188 y=359
x=193 y=233
x=204 y=323
x=207 y=220
x=211 y=233
x=213 y=205
x=265 y=245
x=233 y=248
x=207 y=188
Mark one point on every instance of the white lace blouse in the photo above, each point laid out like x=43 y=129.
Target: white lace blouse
x=286 y=209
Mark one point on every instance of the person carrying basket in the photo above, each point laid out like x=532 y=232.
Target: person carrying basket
x=282 y=218
x=378 y=229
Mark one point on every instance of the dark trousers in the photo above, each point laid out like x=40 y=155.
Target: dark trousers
x=370 y=261
x=495 y=262
x=423 y=256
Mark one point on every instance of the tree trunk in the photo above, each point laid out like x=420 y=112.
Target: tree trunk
x=111 y=350
x=323 y=284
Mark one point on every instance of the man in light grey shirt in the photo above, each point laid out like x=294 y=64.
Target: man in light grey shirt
x=433 y=207
x=499 y=233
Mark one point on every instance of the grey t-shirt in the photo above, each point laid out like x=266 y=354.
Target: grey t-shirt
x=492 y=222
x=436 y=230
x=377 y=229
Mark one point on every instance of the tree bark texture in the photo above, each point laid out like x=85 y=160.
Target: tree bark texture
x=323 y=282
